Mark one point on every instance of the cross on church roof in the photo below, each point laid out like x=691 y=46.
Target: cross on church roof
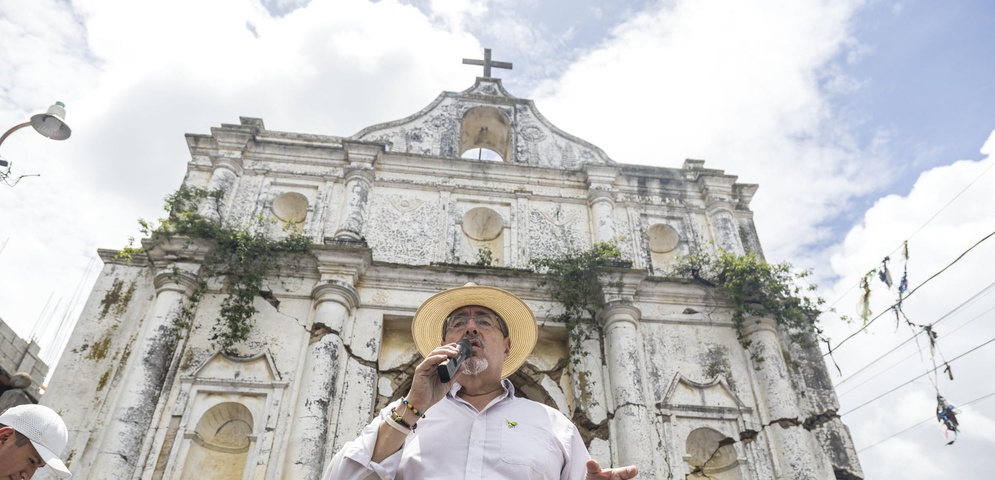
x=487 y=63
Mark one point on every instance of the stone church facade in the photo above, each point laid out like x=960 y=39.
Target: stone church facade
x=396 y=215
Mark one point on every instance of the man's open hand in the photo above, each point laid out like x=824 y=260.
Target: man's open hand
x=594 y=472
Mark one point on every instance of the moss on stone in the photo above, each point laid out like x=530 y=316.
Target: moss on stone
x=103 y=380
x=113 y=298
x=99 y=349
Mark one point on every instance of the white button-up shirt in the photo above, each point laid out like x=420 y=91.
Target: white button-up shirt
x=512 y=438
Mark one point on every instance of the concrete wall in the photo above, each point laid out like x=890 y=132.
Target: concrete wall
x=20 y=355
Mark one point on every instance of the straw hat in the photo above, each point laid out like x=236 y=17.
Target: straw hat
x=426 y=328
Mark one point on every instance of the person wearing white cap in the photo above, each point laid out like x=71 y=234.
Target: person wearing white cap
x=31 y=438
x=473 y=427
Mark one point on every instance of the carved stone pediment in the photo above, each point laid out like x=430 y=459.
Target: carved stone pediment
x=715 y=394
x=257 y=369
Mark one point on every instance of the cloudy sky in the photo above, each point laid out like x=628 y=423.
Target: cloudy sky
x=865 y=123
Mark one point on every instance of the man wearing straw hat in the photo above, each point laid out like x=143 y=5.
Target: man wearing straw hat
x=473 y=427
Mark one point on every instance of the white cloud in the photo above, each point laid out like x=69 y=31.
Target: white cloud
x=958 y=303
x=739 y=85
x=454 y=13
x=137 y=77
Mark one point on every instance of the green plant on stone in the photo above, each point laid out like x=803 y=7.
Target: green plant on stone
x=241 y=258
x=485 y=258
x=574 y=283
x=756 y=288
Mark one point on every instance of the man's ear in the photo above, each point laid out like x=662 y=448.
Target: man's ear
x=507 y=347
x=6 y=433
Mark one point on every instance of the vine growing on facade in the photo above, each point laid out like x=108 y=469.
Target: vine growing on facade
x=756 y=288
x=241 y=256
x=574 y=283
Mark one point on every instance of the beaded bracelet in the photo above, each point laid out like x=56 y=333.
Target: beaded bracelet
x=399 y=419
x=412 y=407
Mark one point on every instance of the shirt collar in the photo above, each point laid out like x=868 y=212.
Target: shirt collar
x=509 y=388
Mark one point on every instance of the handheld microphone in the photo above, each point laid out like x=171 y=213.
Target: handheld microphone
x=447 y=369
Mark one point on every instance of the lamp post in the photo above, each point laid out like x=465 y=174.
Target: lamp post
x=51 y=124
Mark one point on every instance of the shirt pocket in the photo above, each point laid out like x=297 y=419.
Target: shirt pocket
x=531 y=447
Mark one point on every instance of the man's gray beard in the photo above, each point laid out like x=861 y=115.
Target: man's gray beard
x=474 y=365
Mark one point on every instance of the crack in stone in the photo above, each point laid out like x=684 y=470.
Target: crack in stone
x=809 y=423
x=362 y=361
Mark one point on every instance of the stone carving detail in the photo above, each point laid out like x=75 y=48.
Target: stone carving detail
x=380 y=297
x=486 y=88
x=404 y=204
x=436 y=131
x=555 y=232
x=407 y=230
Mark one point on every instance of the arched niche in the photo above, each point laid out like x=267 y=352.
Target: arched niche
x=220 y=443
x=290 y=208
x=663 y=242
x=483 y=241
x=485 y=128
x=711 y=455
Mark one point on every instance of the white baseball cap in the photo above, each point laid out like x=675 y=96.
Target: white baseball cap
x=45 y=429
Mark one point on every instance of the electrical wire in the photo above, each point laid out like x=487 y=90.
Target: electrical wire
x=858 y=407
x=889 y=437
x=904 y=242
x=901 y=361
x=869 y=322
x=990 y=288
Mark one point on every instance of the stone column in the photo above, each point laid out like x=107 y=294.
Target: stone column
x=793 y=447
x=359 y=181
x=634 y=443
x=600 y=181
x=145 y=375
x=226 y=171
x=603 y=214
x=333 y=303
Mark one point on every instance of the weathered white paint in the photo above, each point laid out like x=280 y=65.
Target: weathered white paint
x=792 y=445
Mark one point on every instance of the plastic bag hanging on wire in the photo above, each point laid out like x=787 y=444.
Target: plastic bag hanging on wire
x=946 y=414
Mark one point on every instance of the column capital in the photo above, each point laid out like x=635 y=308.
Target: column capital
x=336 y=291
x=600 y=175
x=599 y=195
x=163 y=252
x=175 y=280
x=362 y=152
x=342 y=264
x=360 y=173
x=615 y=312
x=233 y=164
x=756 y=325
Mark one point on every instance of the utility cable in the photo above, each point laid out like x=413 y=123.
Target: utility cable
x=963 y=304
x=861 y=329
x=858 y=407
x=902 y=361
x=904 y=242
x=920 y=423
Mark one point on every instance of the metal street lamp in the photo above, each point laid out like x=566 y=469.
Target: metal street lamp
x=51 y=124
